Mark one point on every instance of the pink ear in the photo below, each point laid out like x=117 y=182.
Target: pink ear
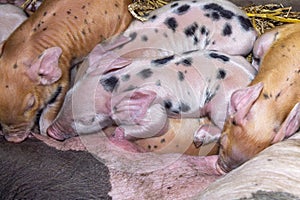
x=290 y=125
x=104 y=60
x=136 y=107
x=45 y=69
x=107 y=62
x=242 y=100
x=1 y=47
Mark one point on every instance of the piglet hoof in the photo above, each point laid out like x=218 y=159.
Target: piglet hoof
x=119 y=140
x=206 y=134
x=74 y=143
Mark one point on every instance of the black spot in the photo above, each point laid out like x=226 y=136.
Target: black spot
x=183 y=9
x=245 y=23
x=45 y=13
x=227 y=31
x=15 y=66
x=109 y=83
x=7 y=86
x=55 y=95
x=190 y=30
x=133 y=35
x=144 y=38
x=163 y=140
x=145 y=73
x=158 y=83
x=174 y=5
x=220 y=10
x=149 y=146
x=187 y=62
x=44 y=29
x=162 y=61
x=183 y=107
x=68 y=12
x=54 y=14
x=171 y=23
x=181 y=76
x=218 y=56
x=215 y=16
x=221 y=74
x=125 y=77
x=203 y=30
x=155 y=147
x=153 y=17
x=168 y=104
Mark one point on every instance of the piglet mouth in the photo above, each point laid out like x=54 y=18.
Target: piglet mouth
x=16 y=137
x=222 y=167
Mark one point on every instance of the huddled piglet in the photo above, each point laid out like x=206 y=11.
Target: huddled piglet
x=139 y=97
x=268 y=110
x=188 y=25
x=36 y=59
x=10 y=18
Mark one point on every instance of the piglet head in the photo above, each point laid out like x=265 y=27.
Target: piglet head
x=237 y=142
x=22 y=98
x=87 y=105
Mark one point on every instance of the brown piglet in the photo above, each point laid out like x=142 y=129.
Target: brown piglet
x=268 y=110
x=35 y=61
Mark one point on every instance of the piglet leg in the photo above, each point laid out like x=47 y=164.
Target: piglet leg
x=139 y=116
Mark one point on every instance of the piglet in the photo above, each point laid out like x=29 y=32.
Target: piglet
x=268 y=110
x=10 y=18
x=36 y=59
x=188 y=25
x=138 y=97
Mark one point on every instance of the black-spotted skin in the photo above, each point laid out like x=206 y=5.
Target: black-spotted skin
x=188 y=25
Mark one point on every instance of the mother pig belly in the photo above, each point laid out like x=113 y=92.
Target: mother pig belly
x=186 y=84
x=191 y=25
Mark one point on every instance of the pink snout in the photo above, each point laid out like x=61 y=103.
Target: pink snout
x=16 y=137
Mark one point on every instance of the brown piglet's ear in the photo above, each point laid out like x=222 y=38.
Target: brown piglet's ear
x=242 y=101
x=290 y=125
x=45 y=69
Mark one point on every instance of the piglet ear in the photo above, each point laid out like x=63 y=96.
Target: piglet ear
x=45 y=69
x=290 y=125
x=1 y=47
x=109 y=61
x=103 y=59
x=242 y=101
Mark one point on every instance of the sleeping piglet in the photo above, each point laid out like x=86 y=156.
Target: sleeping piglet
x=35 y=61
x=138 y=97
x=268 y=110
x=189 y=25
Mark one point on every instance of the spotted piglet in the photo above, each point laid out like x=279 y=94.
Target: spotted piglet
x=139 y=97
x=189 y=25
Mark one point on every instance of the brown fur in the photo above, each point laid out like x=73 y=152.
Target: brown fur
x=280 y=75
x=75 y=27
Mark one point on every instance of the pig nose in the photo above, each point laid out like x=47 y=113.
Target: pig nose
x=16 y=137
x=222 y=167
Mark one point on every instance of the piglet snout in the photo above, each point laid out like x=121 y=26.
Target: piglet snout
x=16 y=137
x=56 y=132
